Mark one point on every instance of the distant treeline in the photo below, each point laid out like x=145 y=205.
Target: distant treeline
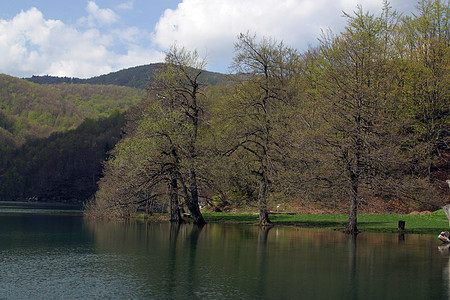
x=137 y=77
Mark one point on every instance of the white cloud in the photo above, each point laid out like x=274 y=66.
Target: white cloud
x=137 y=55
x=126 y=5
x=32 y=45
x=211 y=26
x=98 y=16
x=130 y=35
x=98 y=44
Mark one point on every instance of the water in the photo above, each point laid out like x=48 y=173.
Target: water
x=56 y=254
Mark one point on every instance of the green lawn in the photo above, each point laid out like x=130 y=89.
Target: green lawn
x=435 y=222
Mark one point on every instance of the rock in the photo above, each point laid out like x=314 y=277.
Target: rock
x=444 y=236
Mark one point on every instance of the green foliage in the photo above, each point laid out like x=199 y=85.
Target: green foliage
x=28 y=110
x=424 y=78
x=140 y=165
x=37 y=160
x=162 y=149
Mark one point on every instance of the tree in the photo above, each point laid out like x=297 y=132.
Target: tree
x=424 y=79
x=266 y=68
x=355 y=87
x=178 y=89
x=161 y=149
x=142 y=167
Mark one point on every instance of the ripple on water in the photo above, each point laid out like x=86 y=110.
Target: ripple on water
x=66 y=274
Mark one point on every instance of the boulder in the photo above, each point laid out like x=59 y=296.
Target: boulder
x=444 y=236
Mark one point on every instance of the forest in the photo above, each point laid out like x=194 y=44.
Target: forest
x=62 y=168
x=358 y=123
x=29 y=110
x=53 y=138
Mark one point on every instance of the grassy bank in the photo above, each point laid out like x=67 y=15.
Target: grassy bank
x=432 y=223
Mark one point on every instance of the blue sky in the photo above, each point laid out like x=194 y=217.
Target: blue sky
x=80 y=38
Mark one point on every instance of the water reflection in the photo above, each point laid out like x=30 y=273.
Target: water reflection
x=263 y=233
x=171 y=264
x=71 y=257
x=192 y=281
x=252 y=262
x=352 y=290
x=444 y=249
x=401 y=237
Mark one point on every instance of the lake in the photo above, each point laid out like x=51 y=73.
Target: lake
x=54 y=253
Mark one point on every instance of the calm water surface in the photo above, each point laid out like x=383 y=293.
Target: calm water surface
x=56 y=254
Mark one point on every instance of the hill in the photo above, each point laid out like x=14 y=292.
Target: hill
x=55 y=137
x=64 y=167
x=29 y=110
x=136 y=77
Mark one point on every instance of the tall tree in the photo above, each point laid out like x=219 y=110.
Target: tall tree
x=179 y=89
x=424 y=79
x=265 y=67
x=161 y=151
x=355 y=74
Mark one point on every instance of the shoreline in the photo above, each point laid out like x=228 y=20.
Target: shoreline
x=39 y=203
x=433 y=223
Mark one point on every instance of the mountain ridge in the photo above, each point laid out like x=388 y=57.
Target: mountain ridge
x=137 y=77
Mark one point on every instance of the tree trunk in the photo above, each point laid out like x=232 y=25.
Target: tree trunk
x=175 y=215
x=192 y=200
x=354 y=173
x=262 y=202
x=352 y=216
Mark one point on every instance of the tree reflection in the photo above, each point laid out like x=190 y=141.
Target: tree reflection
x=171 y=264
x=352 y=291
x=262 y=262
x=401 y=237
x=170 y=261
x=192 y=272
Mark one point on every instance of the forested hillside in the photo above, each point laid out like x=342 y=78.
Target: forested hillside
x=137 y=77
x=358 y=123
x=64 y=167
x=44 y=152
x=29 y=110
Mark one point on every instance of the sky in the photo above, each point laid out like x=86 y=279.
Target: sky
x=80 y=38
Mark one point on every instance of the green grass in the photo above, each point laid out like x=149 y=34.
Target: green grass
x=433 y=223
